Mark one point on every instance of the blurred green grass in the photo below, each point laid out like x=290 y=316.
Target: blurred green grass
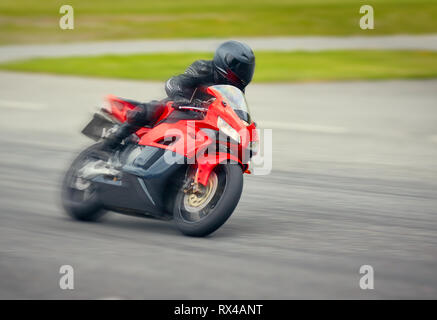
x=36 y=21
x=271 y=66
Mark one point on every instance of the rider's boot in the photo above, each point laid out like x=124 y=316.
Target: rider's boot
x=144 y=114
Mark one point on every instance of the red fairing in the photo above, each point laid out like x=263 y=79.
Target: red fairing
x=118 y=107
x=193 y=138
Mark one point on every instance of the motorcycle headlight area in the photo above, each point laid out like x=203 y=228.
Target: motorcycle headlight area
x=228 y=130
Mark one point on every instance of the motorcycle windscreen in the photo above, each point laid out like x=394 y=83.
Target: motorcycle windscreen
x=236 y=99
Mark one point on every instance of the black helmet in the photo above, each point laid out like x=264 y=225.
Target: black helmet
x=234 y=63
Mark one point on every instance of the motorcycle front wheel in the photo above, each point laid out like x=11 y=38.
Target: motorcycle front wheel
x=199 y=213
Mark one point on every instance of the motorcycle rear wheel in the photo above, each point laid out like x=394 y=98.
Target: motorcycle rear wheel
x=199 y=215
x=81 y=207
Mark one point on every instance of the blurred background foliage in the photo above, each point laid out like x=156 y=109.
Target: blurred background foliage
x=290 y=66
x=36 y=21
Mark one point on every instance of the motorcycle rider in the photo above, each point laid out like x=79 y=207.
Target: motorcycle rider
x=233 y=64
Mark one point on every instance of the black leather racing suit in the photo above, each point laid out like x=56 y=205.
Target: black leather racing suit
x=179 y=88
x=200 y=73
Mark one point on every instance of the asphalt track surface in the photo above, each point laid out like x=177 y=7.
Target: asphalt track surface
x=353 y=183
x=393 y=42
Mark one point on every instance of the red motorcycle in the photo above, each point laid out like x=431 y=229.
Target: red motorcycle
x=187 y=167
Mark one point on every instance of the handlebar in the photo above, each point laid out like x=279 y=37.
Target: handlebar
x=191 y=108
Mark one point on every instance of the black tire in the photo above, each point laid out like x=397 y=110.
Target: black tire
x=219 y=208
x=85 y=210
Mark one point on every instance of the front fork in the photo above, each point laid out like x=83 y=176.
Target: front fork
x=206 y=164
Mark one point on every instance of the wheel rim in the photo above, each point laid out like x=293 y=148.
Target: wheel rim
x=79 y=190
x=198 y=204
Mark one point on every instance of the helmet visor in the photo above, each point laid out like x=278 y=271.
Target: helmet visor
x=243 y=70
